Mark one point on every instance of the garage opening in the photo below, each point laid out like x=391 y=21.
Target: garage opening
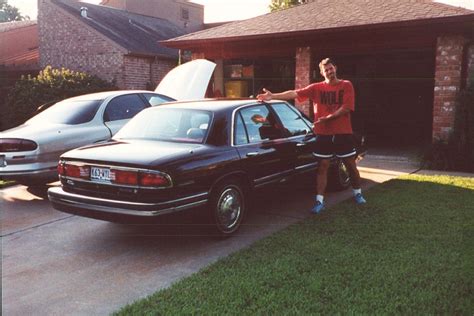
x=394 y=95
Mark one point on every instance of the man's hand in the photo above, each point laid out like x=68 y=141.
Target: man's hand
x=265 y=96
x=324 y=119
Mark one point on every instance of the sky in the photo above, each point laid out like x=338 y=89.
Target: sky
x=215 y=10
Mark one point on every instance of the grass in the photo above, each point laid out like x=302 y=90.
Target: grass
x=409 y=251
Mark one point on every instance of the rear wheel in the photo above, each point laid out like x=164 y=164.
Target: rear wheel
x=338 y=176
x=228 y=207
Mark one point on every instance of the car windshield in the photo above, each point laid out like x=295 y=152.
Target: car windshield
x=165 y=124
x=68 y=112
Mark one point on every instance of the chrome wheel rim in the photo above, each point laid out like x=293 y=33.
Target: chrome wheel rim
x=343 y=174
x=229 y=208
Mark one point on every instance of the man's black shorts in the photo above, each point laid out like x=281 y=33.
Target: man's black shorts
x=340 y=145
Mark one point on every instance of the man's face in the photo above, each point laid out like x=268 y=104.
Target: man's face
x=329 y=72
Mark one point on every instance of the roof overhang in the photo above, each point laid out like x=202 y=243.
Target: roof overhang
x=459 y=24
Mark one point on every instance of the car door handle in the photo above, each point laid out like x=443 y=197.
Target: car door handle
x=300 y=144
x=252 y=154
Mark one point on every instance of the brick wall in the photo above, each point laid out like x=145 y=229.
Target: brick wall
x=66 y=42
x=449 y=54
x=145 y=73
x=303 y=75
x=159 y=68
x=470 y=64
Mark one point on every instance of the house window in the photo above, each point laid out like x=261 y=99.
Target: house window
x=185 y=14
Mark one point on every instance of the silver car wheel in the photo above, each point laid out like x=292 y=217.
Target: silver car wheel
x=229 y=208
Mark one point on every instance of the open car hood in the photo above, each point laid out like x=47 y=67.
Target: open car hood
x=188 y=81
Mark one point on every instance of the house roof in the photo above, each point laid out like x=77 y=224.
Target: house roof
x=8 y=26
x=322 y=15
x=137 y=33
x=23 y=59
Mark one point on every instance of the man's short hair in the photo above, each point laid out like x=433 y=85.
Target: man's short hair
x=324 y=62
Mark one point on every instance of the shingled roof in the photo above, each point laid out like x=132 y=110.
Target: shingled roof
x=137 y=33
x=13 y=25
x=322 y=15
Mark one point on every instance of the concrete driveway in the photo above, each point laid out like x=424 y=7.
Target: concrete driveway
x=59 y=264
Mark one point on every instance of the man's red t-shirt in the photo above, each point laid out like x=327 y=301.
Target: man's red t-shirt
x=327 y=99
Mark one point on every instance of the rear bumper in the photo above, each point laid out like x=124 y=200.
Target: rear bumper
x=99 y=208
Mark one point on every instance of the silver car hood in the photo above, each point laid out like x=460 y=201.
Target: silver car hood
x=188 y=81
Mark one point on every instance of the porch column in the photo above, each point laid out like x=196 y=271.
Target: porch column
x=448 y=76
x=303 y=75
x=470 y=66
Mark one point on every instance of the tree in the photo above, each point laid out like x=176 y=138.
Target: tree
x=50 y=86
x=284 y=4
x=9 y=13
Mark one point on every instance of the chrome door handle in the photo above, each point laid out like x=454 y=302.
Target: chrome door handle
x=252 y=154
x=300 y=144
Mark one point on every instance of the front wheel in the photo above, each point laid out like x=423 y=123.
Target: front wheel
x=228 y=207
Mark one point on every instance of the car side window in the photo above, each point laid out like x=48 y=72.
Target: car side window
x=123 y=107
x=292 y=121
x=240 y=135
x=260 y=124
x=156 y=99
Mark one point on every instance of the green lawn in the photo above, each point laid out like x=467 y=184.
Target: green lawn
x=409 y=251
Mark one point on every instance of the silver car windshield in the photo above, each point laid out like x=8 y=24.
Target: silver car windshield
x=174 y=125
x=68 y=112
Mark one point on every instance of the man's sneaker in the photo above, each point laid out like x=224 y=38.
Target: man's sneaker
x=359 y=199
x=318 y=207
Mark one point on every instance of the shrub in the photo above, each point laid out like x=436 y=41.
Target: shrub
x=50 y=86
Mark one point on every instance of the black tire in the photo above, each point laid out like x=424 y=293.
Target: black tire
x=228 y=206
x=338 y=176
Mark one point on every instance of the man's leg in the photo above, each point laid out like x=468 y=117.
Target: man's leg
x=322 y=176
x=351 y=166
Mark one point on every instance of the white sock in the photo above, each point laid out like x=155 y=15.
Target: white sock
x=320 y=198
x=357 y=191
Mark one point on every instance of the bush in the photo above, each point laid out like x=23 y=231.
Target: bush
x=50 y=86
x=457 y=154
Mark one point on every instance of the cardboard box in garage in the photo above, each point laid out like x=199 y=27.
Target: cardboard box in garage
x=236 y=89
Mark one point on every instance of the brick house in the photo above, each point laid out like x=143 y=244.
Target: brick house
x=111 y=43
x=408 y=59
x=18 y=53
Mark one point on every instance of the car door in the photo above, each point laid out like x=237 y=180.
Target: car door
x=262 y=145
x=121 y=109
x=301 y=136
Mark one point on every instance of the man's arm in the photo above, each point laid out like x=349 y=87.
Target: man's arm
x=339 y=112
x=268 y=95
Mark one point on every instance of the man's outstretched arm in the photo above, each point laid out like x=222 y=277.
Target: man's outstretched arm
x=267 y=95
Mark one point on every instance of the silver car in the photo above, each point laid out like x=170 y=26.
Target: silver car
x=30 y=152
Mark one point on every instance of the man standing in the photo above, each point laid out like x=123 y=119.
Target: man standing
x=333 y=102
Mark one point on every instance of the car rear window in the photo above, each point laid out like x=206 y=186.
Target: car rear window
x=165 y=124
x=68 y=112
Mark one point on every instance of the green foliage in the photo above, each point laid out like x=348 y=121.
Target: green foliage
x=407 y=252
x=276 y=5
x=50 y=86
x=458 y=152
x=9 y=13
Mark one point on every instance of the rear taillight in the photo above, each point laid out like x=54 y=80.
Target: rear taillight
x=16 y=144
x=74 y=171
x=61 y=169
x=127 y=177
x=153 y=179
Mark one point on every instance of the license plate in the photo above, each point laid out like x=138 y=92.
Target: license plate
x=100 y=174
x=3 y=162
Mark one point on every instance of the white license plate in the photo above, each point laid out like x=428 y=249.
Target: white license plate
x=3 y=162
x=100 y=174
